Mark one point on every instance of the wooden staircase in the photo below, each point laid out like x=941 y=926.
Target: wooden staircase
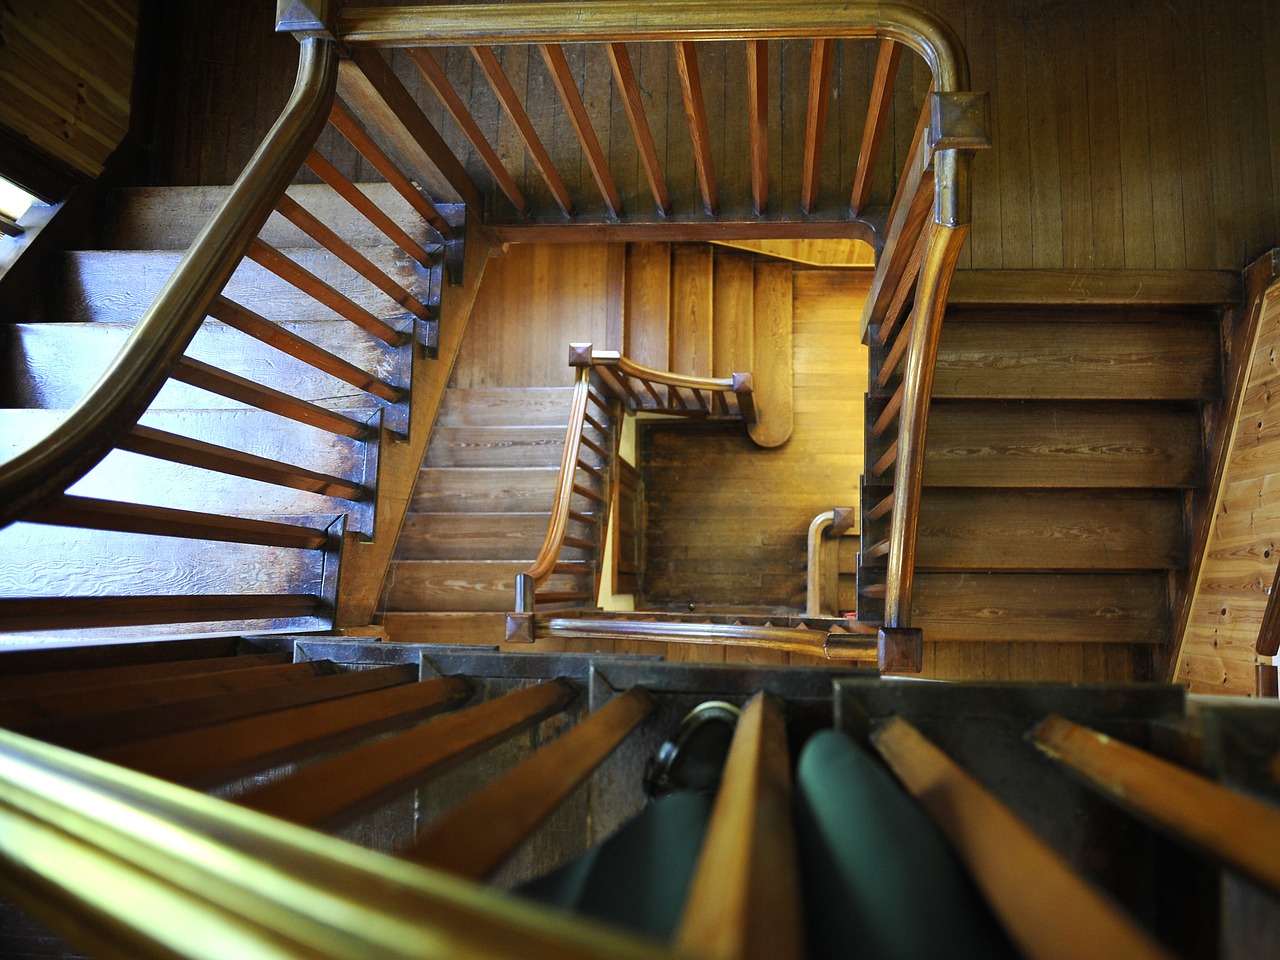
x=298 y=411
x=1062 y=446
x=479 y=514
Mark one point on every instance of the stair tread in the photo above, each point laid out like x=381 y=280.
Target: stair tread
x=134 y=478
x=1042 y=608
x=169 y=218
x=52 y=365
x=92 y=289
x=45 y=561
x=1111 y=358
x=1046 y=444
x=484 y=489
x=503 y=406
x=495 y=446
x=476 y=536
x=454 y=585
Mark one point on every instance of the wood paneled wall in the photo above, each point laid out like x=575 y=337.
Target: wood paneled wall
x=66 y=74
x=1241 y=559
x=1134 y=135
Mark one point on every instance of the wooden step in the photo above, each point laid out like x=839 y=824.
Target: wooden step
x=1168 y=357
x=483 y=585
x=50 y=365
x=446 y=627
x=1127 y=608
x=485 y=489
x=510 y=446
x=479 y=536
x=1049 y=444
x=43 y=561
x=168 y=218
x=116 y=286
x=1050 y=530
x=135 y=478
x=506 y=406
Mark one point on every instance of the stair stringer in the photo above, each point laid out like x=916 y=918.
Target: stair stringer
x=366 y=562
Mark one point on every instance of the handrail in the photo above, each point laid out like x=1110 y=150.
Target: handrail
x=114 y=404
x=549 y=553
x=612 y=371
x=689 y=20
x=608 y=361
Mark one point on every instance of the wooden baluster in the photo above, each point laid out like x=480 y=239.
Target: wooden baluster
x=375 y=93
x=1046 y=907
x=109 y=730
x=696 y=113
x=758 y=121
x=196 y=453
x=881 y=508
x=890 y=411
x=619 y=386
x=439 y=82
x=651 y=390
x=332 y=792
x=91 y=514
x=897 y=351
x=371 y=211
x=473 y=839
x=242 y=390
x=912 y=204
x=267 y=256
x=926 y=332
x=877 y=114
x=625 y=76
x=305 y=221
x=1234 y=829
x=887 y=460
x=592 y=445
x=253 y=325
x=211 y=755
x=904 y=289
x=744 y=899
x=506 y=95
x=562 y=77
x=820 y=57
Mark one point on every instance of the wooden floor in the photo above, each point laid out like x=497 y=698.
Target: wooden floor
x=727 y=520
x=1127 y=136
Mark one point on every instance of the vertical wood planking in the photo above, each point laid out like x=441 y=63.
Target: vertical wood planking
x=1012 y=144
x=1104 y=140
x=1165 y=171
x=758 y=123
x=1132 y=118
x=646 y=320
x=733 y=309
x=1045 y=202
x=691 y=310
x=1189 y=87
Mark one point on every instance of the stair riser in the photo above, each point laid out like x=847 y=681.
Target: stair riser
x=427 y=585
x=473 y=536
x=92 y=288
x=44 y=561
x=52 y=365
x=499 y=447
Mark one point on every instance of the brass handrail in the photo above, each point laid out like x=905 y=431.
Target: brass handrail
x=122 y=394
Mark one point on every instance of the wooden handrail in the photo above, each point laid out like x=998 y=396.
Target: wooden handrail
x=550 y=551
x=739 y=384
x=113 y=405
